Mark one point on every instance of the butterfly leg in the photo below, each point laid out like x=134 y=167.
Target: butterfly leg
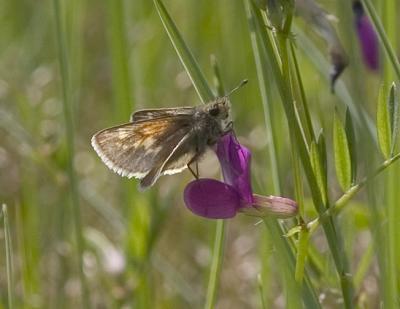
x=195 y=174
x=230 y=127
x=194 y=160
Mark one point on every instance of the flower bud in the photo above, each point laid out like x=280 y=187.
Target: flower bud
x=276 y=206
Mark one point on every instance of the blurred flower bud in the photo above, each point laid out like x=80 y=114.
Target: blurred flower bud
x=321 y=23
x=367 y=37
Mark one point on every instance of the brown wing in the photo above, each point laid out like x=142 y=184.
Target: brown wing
x=136 y=149
x=147 y=114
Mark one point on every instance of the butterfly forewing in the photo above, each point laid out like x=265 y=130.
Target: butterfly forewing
x=152 y=114
x=134 y=149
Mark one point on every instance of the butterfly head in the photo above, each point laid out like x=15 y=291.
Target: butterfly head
x=220 y=110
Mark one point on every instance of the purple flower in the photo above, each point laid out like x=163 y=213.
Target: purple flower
x=367 y=37
x=235 y=164
x=214 y=199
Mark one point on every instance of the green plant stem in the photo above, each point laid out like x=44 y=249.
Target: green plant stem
x=9 y=258
x=283 y=82
x=390 y=255
x=67 y=111
x=205 y=94
x=216 y=263
x=382 y=36
x=304 y=106
x=266 y=97
x=219 y=241
x=348 y=195
x=268 y=68
x=331 y=231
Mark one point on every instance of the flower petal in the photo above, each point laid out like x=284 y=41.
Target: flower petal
x=235 y=164
x=211 y=198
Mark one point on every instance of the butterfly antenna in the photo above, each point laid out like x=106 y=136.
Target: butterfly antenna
x=242 y=83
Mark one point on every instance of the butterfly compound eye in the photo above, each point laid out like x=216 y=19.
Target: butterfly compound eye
x=214 y=111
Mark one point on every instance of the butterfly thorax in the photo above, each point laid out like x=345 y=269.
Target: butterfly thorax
x=213 y=119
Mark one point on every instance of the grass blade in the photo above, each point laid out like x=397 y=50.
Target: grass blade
x=121 y=82
x=186 y=57
x=9 y=258
x=68 y=118
x=205 y=94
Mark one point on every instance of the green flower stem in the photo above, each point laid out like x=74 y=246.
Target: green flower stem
x=67 y=110
x=382 y=36
x=348 y=195
x=218 y=253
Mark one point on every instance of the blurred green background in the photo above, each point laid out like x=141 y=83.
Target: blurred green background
x=145 y=249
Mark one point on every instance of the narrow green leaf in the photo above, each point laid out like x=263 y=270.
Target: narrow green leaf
x=186 y=57
x=264 y=80
x=318 y=169
x=342 y=154
x=394 y=117
x=351 y=138
x=383 y=122
x=391 y=104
